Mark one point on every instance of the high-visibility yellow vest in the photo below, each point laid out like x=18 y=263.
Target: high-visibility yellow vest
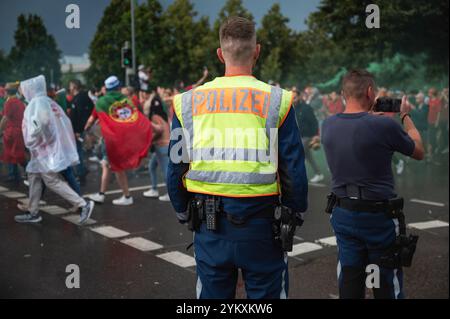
x=229 y=123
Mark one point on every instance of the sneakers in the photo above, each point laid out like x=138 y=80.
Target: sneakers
x=98 y=198
x=317 y=178
x=28 y=218
x=123 y=201
x=151 y=193
x=400 y=166
x=86 y=212
x=164 y=198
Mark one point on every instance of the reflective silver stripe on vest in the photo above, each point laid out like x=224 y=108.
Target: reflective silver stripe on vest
x=186 y=113
x=231 y=154
x=231 y=177
x=276 y=94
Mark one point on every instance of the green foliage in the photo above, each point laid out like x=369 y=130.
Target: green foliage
x=105 y=50
x=277 y=42
x=407 y=28
x=271 y=68
x=34 y=51
x=4 y=68
x=409 y=51
x=231 y=8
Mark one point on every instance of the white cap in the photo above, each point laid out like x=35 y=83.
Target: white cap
x=112 y=82
x=141 y=67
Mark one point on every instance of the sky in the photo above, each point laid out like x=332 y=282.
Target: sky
x=76 y=41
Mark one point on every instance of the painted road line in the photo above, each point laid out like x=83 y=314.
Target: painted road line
x=132 y=189
x=74 y=218
x=110 y=232
x=3 y=189
x=317 y=184
x=327 y=241
x=177 y=258
x=427 y=202
x=13 y=194
x=428 y=225
x=141 y=243
x=303 y=248
x=26 y=201
x=54 y=210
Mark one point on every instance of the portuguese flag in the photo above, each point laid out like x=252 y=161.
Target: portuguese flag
x=126 y=131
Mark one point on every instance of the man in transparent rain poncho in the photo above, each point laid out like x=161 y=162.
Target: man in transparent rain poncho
x=49 y=137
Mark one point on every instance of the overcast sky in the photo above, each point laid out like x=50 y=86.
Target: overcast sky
x=76 y=41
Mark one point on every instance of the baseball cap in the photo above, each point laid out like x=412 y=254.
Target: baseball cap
x=112 y=82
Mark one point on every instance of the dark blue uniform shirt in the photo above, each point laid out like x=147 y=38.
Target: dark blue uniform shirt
x=359 y=149
x=291 y=172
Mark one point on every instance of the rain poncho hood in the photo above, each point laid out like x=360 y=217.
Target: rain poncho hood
x=47 y=131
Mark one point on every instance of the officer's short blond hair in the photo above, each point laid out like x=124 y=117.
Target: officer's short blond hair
x=238 y=40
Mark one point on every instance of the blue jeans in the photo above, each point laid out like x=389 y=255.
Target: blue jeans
x=69 y=176
x=362 y=238
x=14 y=172
x=81 y=169
x=159 y=157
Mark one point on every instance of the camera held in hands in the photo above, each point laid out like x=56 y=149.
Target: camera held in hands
x=387 y=105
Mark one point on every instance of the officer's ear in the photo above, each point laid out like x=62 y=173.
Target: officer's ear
x=220 y=55
x=257 y=52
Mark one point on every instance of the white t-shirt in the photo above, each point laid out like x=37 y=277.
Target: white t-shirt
x=143 y=80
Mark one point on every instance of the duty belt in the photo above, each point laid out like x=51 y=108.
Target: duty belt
x=391 y=207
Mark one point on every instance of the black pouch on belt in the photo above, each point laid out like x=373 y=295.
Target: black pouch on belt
x=211 y=214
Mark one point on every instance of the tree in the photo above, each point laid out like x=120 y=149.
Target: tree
x=184 y=46
x=406 y=27
x=105 y=50
x=271 y=69
x=149 y=37
x=232 y=8
x=34 y=51
x=4 y=68
x=277 y=45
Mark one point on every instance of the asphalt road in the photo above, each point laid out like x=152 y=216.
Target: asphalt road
x=140 y=251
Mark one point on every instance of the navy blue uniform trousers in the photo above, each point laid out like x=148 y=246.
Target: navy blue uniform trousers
x=362 y=238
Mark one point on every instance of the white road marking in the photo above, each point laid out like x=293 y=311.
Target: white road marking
x=177 y=258
x=26 y=201
x=54 y=210
x=317 y=184
x=303 y=248
x=428 y=225
x=3 y=189
x=13 y=194
x=110 y=232
x=132 y=189
x=427 y=202
x=74 y=218
x=327 y=241
x=141 y=244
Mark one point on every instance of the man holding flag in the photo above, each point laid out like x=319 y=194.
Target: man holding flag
x=127 y=136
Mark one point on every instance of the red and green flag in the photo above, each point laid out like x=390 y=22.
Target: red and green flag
x=126 y=131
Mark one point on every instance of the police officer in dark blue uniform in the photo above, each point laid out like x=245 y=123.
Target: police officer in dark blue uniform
x=367 y=215
x=243 y=209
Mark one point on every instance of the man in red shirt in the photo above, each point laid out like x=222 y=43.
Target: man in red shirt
x=334 y=104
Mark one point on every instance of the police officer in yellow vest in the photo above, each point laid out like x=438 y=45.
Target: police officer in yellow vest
x=236 y=173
